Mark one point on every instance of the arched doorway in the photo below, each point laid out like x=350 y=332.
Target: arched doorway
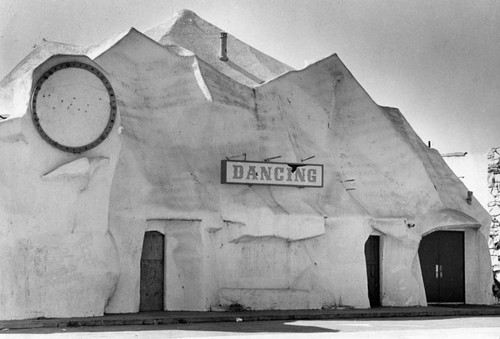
x=441 y=257
x=152 y=272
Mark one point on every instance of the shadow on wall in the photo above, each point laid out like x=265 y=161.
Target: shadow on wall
x=244 y=72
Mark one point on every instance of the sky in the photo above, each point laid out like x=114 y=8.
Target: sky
x=437 y=61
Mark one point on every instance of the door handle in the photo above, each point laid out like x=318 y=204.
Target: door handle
x=439 y=271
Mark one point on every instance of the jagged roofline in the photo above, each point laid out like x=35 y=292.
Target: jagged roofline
x=8 y=84
x=333 y=57
x=164 y=30
x=178 y=51
x=32 y=69
x=281 y=76
x=419 y=150
x=185 y=52
x=427 y=157
x=182 y=52
x=18 y=70
x=172 y=22
x=73 y=50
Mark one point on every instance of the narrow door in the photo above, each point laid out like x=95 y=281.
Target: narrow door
x=442 y=262
x=372 y=255
x=451 y=259
x=429 y=264
x=152 y=272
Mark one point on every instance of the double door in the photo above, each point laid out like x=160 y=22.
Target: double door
x=441 y=256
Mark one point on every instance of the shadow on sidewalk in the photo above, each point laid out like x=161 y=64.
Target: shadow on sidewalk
x=252 y=327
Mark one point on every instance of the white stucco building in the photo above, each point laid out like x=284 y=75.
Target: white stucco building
x=145 y=173
x=480 y=172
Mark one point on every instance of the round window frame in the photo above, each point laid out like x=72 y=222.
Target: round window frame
x=112 y=103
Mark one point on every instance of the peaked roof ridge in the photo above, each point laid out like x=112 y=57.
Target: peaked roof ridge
x=246 y=64
x=158 y=31
x=137 y=37
x=178 y=21
x=320 y=63
x=96 y=49
x=302 y=70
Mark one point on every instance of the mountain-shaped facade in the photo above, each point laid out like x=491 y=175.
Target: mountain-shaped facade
x=122 y=192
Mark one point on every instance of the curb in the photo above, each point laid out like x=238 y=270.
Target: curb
x=166 y=318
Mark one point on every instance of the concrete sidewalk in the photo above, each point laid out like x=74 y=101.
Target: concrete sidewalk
x=174 y=317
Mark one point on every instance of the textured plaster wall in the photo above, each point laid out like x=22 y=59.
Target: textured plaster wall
x=184 y=260
x=164 y=164
x=263 y=247
x=58 y=258
x=273 y=247
x=477 y=171
x=472 y=170
x=169 y=169
x=272 y=273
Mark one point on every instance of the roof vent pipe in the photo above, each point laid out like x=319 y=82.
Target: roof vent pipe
x=223 y=45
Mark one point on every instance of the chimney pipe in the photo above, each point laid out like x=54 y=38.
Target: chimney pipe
x=223 y=45
x=469 y=197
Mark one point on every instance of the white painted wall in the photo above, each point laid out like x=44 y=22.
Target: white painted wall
x=58 y=257
x=277 y=247
x=472 y=169
x=258 y=246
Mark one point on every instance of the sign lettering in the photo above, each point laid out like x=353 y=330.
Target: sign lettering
x=271 y=173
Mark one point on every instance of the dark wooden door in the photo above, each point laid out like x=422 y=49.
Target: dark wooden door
x=442 y=262
x=372 y=255
x=152 y=272
x=429 y=260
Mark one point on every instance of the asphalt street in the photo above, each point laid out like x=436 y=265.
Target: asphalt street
x=458 y=327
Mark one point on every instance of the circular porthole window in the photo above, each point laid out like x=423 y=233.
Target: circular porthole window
x=73 y=107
